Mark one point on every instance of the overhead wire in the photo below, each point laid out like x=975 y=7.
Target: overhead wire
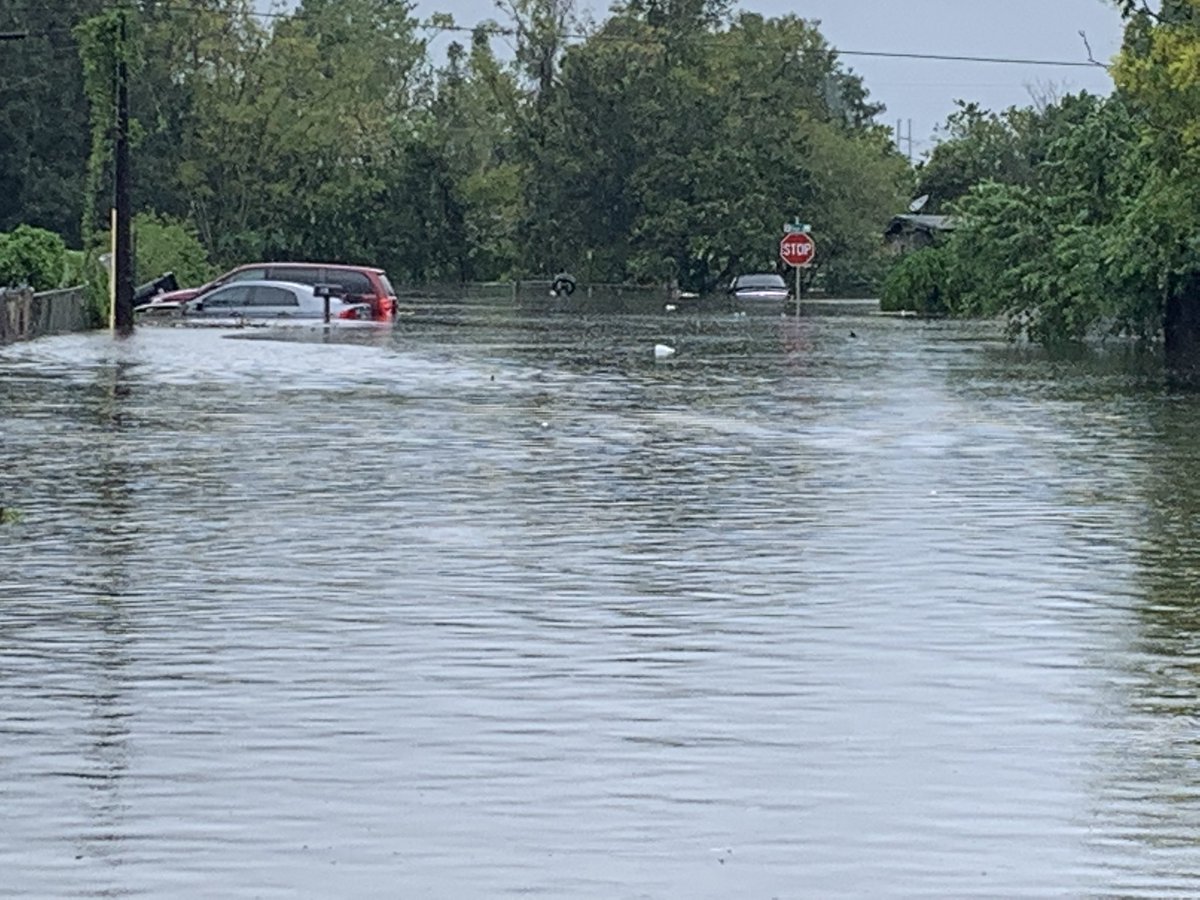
x=496 y=30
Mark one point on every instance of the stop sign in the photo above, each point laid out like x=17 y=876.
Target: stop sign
x=797 y=249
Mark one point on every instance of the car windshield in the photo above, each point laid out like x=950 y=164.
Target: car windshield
x=761 y=281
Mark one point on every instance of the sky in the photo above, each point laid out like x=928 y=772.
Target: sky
x=924 y=91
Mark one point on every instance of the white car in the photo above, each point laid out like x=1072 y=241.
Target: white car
x=759 y=286
x=259 y=303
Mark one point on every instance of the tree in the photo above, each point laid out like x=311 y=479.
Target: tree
x=680 y=144
x=43 y=117
x=541 y=29
x=1158 y=71
x=476 y=110
x=669 y=144
x=1051 y=251
x=1007 y=147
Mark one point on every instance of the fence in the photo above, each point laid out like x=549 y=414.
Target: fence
x=532 y=288
x=25 y=315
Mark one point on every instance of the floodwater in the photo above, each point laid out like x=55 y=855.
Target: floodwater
x=494 y=604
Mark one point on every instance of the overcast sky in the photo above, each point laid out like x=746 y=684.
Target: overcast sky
x=924 y=91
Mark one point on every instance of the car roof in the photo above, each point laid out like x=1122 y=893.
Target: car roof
x=772 y=276
x=308 y=265
x=265 y=282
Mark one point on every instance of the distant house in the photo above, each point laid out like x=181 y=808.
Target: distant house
x=912 y=231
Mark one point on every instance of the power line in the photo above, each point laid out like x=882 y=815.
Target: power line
x=939 y=57
x=502 y=31
x=495 y=30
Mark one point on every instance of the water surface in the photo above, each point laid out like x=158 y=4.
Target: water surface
x=493 y=603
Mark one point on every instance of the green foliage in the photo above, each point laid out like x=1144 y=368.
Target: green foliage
x=74 y=268
x=103 y=40
x=670 y=144
x=674 y=147
x=979 y=145
x=43 y=117
x=32 y=256
x=1065 y=242
x=96 y=285
x=164 y=245
x=920 y=282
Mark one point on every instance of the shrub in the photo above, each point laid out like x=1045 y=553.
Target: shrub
x=165 y=245
x=32 y=256
x=920 y=282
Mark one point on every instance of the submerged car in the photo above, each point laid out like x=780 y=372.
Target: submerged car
x=259 y=302
x=356 y=284
x=759 y=286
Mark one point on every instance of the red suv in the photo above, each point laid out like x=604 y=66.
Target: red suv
x=360 y=284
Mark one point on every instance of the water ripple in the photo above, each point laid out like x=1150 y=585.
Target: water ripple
x=492 y=603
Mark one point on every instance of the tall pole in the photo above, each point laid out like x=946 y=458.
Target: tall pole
x=122 y=206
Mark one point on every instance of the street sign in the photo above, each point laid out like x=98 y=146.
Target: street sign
x=790 y=227
x=797 y=249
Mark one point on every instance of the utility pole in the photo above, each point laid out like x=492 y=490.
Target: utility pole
x=122 y=245
x=901 y=140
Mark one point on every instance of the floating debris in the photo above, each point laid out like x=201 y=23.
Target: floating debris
x=9 y=516
x=662 y=351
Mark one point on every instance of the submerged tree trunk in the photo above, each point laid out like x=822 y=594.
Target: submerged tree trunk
x=1181 y=328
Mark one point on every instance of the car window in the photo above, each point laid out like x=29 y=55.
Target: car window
x=247 y=275
x=266 y=295
x=350 y=282
x=228 y=298
x=761 y=281
x=301 y=274
x=387 y=285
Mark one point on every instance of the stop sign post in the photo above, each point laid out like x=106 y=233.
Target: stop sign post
x=797 y=249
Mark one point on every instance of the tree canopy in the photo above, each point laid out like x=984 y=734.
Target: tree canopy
x=667 y=143
x=1081 y=217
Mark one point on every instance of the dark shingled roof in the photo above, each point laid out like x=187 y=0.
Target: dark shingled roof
x=912 y=222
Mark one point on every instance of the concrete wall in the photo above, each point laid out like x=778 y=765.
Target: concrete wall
x=25 y=315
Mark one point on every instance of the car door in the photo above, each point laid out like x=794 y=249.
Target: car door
x=228 y=302
x=273 y=302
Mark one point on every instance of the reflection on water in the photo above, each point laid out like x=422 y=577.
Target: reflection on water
x=494 y=603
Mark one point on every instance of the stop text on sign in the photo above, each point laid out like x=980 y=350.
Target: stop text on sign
x=797 y=249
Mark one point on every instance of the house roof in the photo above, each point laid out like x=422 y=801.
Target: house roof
x=913 y=222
